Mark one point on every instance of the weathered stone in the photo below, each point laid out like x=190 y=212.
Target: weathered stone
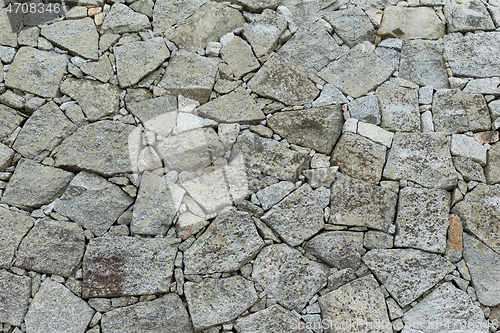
x=216 y=301
x=288 y=276
x=455 y=111
x=188 y=121
x=423 y=229
x=483 y=48
x=466 y=146
x=235 y=107
x=56 y=309
x=16 y=292
x=101 y=69
x=13 y=227
x=484 y=86
x=273 y=194
x=126 y=266
x=357 y=72
x=423 y=158
x=49 y=183
x=378 y=240
x=389 y=55
x=153 y=112
x=359 y=204
x=339 y=249
x=79 y=37
x=107 y=156
x=167 y=13
x=487 y=137
x=190 y=75
x=359 y=157
x=407 y=273
x=323 y=196
x=156 y=205
x=270 y=157
x=445 y=303
x=122 y=19
x=278 y=79
x=399 y=108
x=375 y=133
x=264 y=32
x=480 y=214
x=297 y=217
x=9 y=25
x=6 y=156
x=135 y=60
x=36 y=72
x=164 y=315
x=208 y=24
x=321 y=177
x=492 y=169
x=189 y=224
x=411 y=23
x=329 y=95
x=92 y=202
x=422 y=62
x=365 y=109
x=360 y=301
x=96 y=99
x=239 y=56
x=227 y=244
x=9 y=121
x=467 y=16
x=469 y=169
x=273 y=319
x=455 y=243
x=315 y=128
x=352 y=25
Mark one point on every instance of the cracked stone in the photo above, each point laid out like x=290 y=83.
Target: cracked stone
x=239 y=56
x=16 y=292
x=122 y=19
x=153 y=113
x=14 y=227
x=167 y=13
x=339 y=249
x=470 y=170
x=352 y=25
x=467 y=16
x=273 y=194
x=264 y=32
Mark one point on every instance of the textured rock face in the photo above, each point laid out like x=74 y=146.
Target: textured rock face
x=239 y=56
x=411 y=23
x=9 y=121
x=15 y=291
x=468 y=16
x=492 y=169
x=352 y=25
x=166 y=13
x=13 y=227
x=122 y=19
x=339 y=249
x=399 y=108
x=263 y=32
x=273 y=319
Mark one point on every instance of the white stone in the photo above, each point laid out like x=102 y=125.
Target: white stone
x=375 y=133
x=350 y=125
x=187 y=122
x=466 y=146
x=213 y=49
x=426 y=123
x=425 y=95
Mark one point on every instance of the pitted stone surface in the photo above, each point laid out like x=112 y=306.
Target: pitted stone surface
x=15 y=294
x=273 y=319
x=13 y=227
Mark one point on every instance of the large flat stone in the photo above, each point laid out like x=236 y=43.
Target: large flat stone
x=423 y=158
x=122 y=19
x=358 y=72
x=9 y=121
x=356 y=203
x=128 y=266
x=407 y=273
x=273 y=319
x=288 y=276
x=13 y=227
x=9 y=24
x=279 y=80
x=339 y=249
x=49 y=183
x=411 y=23
x=399 y=108
x=167 y=13
x=365 y=109
x=227 y=244
x=467 y=16
x=239 y=56
x=264 y=31
x=352 y=25
x=315 y=128
x=216 y=301
x=153 y=111
x=297 y=217
x=37 y=72
x=15 y=294
x=92 y=202
x=52 y=247
x=273 y=194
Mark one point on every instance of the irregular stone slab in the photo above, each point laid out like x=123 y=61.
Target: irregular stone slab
x=359 y=301
x=288 y=276
x=56 y=309
x=360 y=204
x=467 y=16
x=239 y=56
x=107 y=156
x=352 y=25
x=469 y=169
x=365 y=109
x=411 y=23
x=135 y=60
x=315 y=128
x=92 y=202
x=52 y=247
x=264 y=32
x=389 y=55
x=297 y=89
x=163 y=315
x=484 y=48
x=359 y=157
x=36 y=72
x=484 y=86
x=13 y=227
x=423 y=158
x=122 y=19
x=227 y=244
x=96 y=99
x=329 y=95
x=358 y=72
x=6 y=156
x=375 y=133
x=156 y=205
x=407 y=273
x=479 y=256
x=16 y=292
x=9 y=121
x=49 y=183
x=321 y=177
x=492 y=169
x=235 y=107
x=270 y=157
x=310 y=49
x=208 y=24
x=101 y=69
x=43 y=131
x=422 y=62
x=378 y=240
x=128 y=266
x=480 y=214
x=339 y=249
x=190 y=75
x=273 y=319
x=423 y=229
x=297 y=217
x=216 y=301
x=466 y=146
x=79 y=37
x=455 y=111
x=9 y=25
x=273 y=194
x=166 y=13
x=399 y=108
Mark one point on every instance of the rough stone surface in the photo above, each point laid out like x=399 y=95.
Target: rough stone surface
x=376 y=134
x=264 y=31
x=166 y=13
x=365 y=109
x=9 y=121
x=273 y=319
x=339 y=249
x=469 y=169
x=492 y=169
x=15 y=293
x=399 y=108
x=352 y=25
x=467 y=16
x=273 y=194
x=6 y=156
x=466 y=146
x=411 y=23
x=239 y=56
x=13 y=227
x=122 y=19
